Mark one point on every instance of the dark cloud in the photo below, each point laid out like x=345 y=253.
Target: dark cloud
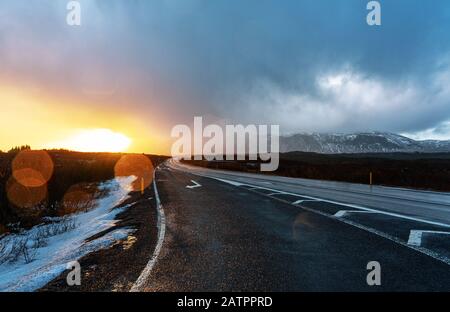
x=309 y=65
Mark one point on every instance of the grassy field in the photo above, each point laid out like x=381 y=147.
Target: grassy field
x=70 y=169
x=412 y=170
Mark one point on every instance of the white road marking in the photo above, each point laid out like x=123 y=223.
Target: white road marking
x=230 y=182
x=415 y=236
x=303 y=200
x=342 y=213
x=139 y=284
x=193 y=186
x=276 y=193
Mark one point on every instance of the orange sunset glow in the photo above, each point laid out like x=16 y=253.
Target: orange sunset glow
x=44 y=122
x=95 y=140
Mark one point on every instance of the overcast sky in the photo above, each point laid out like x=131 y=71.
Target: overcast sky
x=308 y=65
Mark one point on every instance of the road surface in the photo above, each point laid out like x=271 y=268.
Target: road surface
x=228 y=231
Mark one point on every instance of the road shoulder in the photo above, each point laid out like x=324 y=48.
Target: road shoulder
x=118 y=267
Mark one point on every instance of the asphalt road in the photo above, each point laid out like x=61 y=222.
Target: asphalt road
x=239 y=232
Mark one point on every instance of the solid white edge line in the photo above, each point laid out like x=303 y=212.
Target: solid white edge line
x=139 y=284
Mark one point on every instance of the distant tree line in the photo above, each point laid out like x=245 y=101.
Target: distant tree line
x=20 y=148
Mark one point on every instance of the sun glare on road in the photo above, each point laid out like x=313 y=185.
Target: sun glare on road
x=96 y=140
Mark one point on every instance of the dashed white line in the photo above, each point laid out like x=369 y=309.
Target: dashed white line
x=342 y=213
x=303 y=200
x=276 y=193
x=415 y=236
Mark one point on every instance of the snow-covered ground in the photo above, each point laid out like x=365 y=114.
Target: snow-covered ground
x=51 y=258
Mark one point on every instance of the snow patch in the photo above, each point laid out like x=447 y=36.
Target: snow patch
x=50 y=260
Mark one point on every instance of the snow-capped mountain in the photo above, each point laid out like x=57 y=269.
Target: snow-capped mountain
x=369 y=142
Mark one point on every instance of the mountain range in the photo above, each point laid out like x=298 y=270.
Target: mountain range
x=364 y=142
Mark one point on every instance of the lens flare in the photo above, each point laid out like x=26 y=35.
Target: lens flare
x=32 y=169
x=23 y=196
x=79 y=197
x=139 y=166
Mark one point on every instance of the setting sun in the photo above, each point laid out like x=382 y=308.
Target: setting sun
x=95 y=140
